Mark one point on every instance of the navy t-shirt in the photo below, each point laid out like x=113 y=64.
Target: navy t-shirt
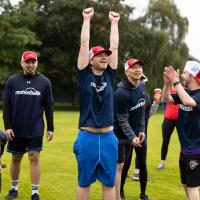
x=189 y=123
x=96 y=98
x=27 y=96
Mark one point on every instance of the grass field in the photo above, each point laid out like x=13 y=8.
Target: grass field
x=59 y=169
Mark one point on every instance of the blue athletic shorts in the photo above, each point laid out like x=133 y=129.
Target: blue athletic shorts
x=97 y=156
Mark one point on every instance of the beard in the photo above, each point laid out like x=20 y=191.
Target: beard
x=101 y=67
x=186 y=82
x=29 y=72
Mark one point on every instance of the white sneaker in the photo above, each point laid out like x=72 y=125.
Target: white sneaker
x=161 y=166
x=136 y=177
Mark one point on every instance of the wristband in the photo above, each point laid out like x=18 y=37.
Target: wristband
x=176 y=83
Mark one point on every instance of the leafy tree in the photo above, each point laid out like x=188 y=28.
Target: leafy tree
x=52 y=27
x=163 y=39
x=15 y=37
x=58 y=27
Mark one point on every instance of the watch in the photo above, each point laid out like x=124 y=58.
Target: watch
x=176 y=83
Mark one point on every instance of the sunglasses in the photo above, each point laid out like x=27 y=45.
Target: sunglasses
x=30 y=61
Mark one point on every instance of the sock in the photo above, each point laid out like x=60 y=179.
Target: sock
x=35 y=189
x=14 y=184
x=136 y=171
x=162 y=162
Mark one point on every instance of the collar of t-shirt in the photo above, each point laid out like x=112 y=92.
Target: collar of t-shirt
x=29 y=76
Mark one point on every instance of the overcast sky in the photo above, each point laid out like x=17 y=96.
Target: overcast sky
x=188 y=8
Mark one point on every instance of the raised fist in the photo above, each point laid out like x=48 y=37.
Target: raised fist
x=114 y=16
x=88 y=13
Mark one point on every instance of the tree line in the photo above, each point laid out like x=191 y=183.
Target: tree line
x=52 y=28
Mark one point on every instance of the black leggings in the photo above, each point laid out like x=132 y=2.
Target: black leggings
x=168 y=126
x=141 y=154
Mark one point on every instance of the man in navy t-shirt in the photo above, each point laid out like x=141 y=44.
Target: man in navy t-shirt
x=130 y=123
x=27 y=94
x=188 y=126
x=96 y=145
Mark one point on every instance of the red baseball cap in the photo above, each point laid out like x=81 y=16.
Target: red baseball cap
x=98 y=49
x=29 y=55
x=129 y=63
x=198 y=77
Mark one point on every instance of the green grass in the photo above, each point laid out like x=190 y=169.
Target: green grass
x=59 y=168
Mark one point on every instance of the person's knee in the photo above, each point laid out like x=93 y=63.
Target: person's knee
x=142 y=166
x=108 y=192
x=16 y=159
x=193 y=193
x=34 y=157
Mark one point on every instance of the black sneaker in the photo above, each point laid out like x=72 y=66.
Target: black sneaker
x=35 y=197
x=12 y=194
x=143 y=197
x=122 y=195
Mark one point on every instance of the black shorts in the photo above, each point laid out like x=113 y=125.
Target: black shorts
x=124 y=150
x=22 y=145
x=190 y=170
